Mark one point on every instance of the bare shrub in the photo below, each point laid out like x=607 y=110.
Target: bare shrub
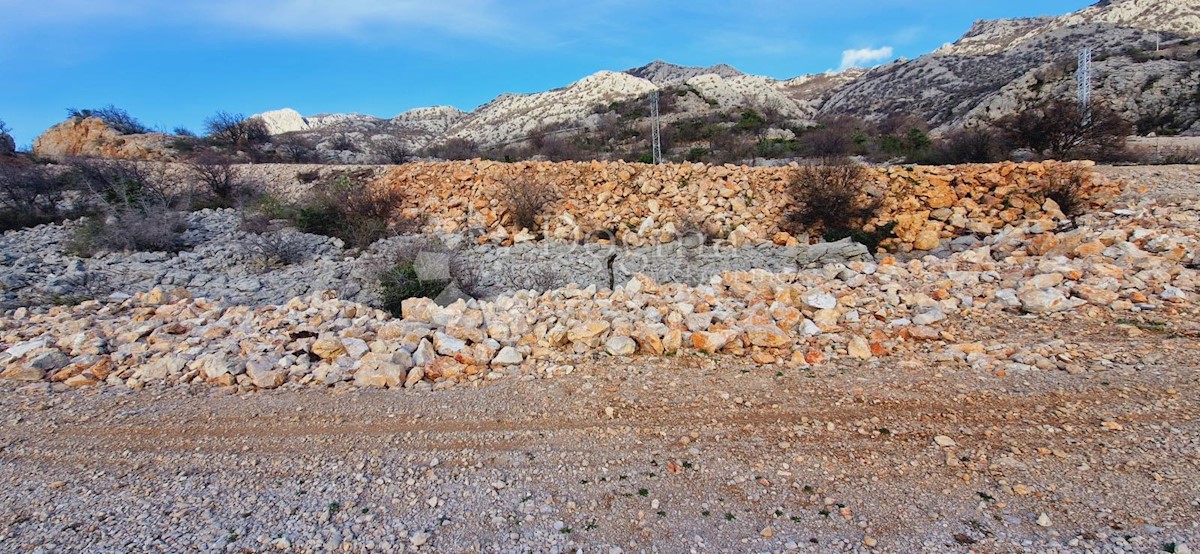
x=391 y=151
x=115 y=118
x=271 y=250
x=540 y=278
x=1062 y=130
x=427 y=269
x=150 y=229
x=136 y=208
x=352 y=209
x=30 y=195
x=236 y=130
x=454 y=149
x=123 y=184
x=1065 y=186
x=291 y=148
x=218 y=177
x=974 y=145
x=526 y=201
x=830 y=195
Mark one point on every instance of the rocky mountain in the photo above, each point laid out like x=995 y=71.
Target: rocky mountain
x=663 y=74
x=516 y=116
x=1145 y=65
x=1146 y=60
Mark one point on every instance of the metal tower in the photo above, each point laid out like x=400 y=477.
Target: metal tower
x=1083 y=78
x=655 y=131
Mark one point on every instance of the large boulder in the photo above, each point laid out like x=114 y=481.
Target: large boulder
x=91 y=137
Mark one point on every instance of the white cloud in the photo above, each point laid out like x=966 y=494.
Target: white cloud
x=865 y=56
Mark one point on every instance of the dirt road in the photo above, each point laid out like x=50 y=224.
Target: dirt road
x=655 y=455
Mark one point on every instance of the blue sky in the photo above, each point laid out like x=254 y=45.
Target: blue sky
x=174 y=62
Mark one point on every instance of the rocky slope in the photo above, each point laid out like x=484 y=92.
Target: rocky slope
x=1001 y=66
x=664 y=74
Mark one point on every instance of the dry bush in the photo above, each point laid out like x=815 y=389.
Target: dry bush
x=974 y=145
x=526 y=201
x=218 y=177
x=830 y=195
x=271 y=250
x=115 y=118
x=391 y=151
x=693 y=231
x=540 y=278
x=31 y=195
x=426 y=269
x=149 y=229
x=1065 y=186
x=137 y=208
x=1059 y=129
x=350 y=208
x=236 y=131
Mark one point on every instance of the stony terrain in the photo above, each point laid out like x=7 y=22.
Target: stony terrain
x=1033 y=391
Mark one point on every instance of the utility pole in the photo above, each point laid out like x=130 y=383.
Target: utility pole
x=1083 y=79
x=655 y=130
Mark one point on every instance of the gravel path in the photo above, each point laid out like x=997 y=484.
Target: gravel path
x=634 y=455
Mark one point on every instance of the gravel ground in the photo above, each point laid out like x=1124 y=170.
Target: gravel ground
x=911 y=453
x=636 y=455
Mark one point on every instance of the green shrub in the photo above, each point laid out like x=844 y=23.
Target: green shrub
x=348 y=208
x=401 y=283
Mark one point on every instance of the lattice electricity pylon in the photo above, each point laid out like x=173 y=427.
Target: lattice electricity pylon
x=655 y=130
x=1083 y=78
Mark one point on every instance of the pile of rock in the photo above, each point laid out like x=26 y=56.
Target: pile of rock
x=641 y=204
x=1112 y=263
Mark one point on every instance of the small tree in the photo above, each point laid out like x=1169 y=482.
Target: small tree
x=391 y=151
x=236 y=130
x=116 y=118
x=218 y=176
x=1061 y=129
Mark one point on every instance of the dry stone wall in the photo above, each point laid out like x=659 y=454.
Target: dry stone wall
x=644 y=204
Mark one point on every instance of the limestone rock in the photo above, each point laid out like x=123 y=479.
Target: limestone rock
x=620 y=346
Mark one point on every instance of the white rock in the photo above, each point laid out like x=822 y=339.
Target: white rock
x=447 y=345
x=355 y=347
x=508 y=356
x=1043 y=520
x=621 y=346
x=22 y=348
x=943 y=440
x=821 y=301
